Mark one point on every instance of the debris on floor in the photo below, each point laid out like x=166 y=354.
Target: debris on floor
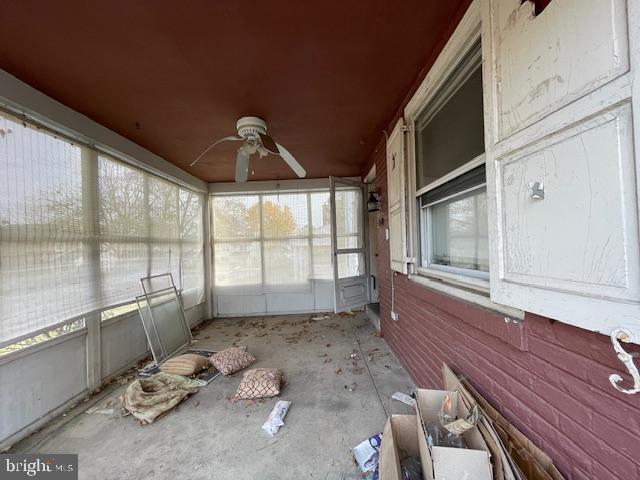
x=411 y=468
x=276 y=418
x=351 y=388
x=404 y=398
x=101 y=411
x=366 y=453
x=148 y=398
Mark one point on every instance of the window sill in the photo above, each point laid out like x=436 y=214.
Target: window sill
x=31 y=349
x=470 y=292
x=456 y=279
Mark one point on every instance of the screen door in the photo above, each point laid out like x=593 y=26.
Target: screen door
x=348 y=244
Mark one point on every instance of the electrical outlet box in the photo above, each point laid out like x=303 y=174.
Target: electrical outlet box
x=394 y=315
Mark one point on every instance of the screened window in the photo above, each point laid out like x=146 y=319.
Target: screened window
x=271 y=242
x=78 y=230
x=451 y=177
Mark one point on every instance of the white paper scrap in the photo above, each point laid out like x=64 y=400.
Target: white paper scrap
x=276 y=418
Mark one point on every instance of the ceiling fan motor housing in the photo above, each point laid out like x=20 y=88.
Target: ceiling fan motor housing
x=251 y=127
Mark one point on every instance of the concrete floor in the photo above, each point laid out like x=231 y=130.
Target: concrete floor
x=338 y=401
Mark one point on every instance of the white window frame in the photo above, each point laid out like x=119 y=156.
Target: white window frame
x=310 y=236
x=468 y=287
x=474 y=278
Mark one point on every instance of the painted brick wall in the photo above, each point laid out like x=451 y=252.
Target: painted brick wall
x=549 y=379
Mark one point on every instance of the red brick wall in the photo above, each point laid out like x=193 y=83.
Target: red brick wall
x=549 y=379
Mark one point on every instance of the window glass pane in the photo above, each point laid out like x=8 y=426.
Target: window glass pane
x=454 y=135
x=192 y=272
x=349 y=218
x=237 y=263
x=190 y=215
x=285 y=215
x=286 y=262
x=122 y=205
x=320 y=213
x=45 y=273
x=321 y=233
x=236 y=217
x=459 y=232
x=350 y=265
x=163 y=210
x=322 y=258
x=122 y=264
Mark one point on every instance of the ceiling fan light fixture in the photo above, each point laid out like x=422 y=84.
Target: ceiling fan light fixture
x=252 y=132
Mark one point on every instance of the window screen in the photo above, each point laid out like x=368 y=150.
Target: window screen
x=78 y=230
x=450 y=133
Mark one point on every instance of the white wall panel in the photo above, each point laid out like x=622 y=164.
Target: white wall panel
x=123 y=342
x=39 y=382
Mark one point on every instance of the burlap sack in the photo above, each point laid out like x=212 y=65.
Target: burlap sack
x=188 y=364
x=260 y=383
x=231 y=360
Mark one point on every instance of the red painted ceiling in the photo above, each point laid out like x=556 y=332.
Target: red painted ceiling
x=327 y=76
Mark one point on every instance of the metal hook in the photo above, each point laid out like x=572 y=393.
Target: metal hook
x=626 y=358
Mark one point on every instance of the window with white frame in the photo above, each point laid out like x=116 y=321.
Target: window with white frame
x=271 y=242
x=450 y=177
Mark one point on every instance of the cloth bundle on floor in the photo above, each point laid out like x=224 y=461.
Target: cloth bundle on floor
x=148 y=398
x=260 y=383
x=231 y=360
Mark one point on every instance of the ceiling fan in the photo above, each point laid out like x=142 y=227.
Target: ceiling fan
x=253 y=132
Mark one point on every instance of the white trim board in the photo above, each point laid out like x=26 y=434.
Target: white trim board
x=22 y=99
x=263 y=186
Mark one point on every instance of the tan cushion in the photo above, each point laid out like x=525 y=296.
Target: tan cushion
x=187 y=364
x=231 y=360
x=260 y=383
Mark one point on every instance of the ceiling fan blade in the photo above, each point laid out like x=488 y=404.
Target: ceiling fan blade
x=268 y=143
x=291 y=161
x=232 y=138
x=242 y=165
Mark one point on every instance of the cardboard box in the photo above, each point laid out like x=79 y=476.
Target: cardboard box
x=399 y=441
x=472 y=463
x=511 y=449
